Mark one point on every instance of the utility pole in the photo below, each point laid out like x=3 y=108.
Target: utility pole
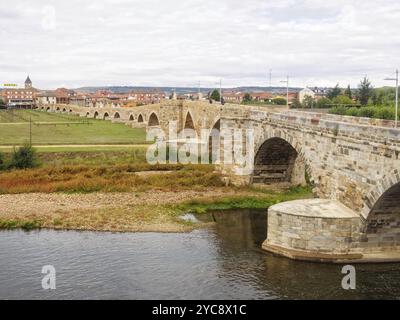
x=199 y=89
x=30 y=131
x=270 y=78
x=220 y=90
x=287 y=90
x=397 y=97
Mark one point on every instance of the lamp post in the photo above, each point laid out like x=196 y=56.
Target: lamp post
x=397 y=95
x=287 y=90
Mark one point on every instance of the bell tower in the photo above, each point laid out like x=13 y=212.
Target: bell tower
x=28 y=83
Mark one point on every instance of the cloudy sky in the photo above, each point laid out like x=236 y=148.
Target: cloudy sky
x=179 y=43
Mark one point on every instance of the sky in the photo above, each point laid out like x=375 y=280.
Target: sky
x=181 y=43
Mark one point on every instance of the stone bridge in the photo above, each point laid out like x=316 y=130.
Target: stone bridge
x=352 y=163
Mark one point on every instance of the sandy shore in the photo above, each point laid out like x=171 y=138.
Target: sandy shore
x=48 y=203
x=119 y=212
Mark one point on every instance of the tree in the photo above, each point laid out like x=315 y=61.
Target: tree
x=348 y=92
x=247 y=97
x=215 y=95
x=2 y=104
x=324 y=103
x=334 y=92
x=308 y=102
x=24 y=157
x=342 y=100
x=296 y=104
x=364 y=91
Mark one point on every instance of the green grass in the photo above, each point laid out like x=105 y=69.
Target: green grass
x=54 y=128
x=260 y=200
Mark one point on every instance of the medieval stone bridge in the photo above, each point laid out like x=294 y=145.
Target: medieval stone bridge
x=353 y=162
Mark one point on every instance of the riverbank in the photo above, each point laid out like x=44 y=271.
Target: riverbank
x=155 y=211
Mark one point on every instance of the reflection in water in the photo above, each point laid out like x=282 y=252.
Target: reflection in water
x=221 y=262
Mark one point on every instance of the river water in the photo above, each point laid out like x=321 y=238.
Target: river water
x=220 y=262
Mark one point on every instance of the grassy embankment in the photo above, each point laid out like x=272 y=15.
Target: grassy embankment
x=158 y=194
x=63 y=129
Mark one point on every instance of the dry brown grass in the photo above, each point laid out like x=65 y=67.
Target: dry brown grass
x=118 y=178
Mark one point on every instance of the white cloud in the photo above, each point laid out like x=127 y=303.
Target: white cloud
x=179 y=43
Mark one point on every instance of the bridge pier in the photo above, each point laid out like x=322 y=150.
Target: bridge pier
x=322 y=230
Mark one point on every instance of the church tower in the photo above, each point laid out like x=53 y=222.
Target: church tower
x=28 y=83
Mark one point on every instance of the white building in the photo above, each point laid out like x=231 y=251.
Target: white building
x=304 y=93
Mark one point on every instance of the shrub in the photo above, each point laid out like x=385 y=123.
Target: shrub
x=2 y=164
x=324 y=103
x=367 y=112
x=353 y=111
x=340 y=110
x=279 y=101
x=24 y=157
x=384 y=113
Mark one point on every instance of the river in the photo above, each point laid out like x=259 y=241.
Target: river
x=220 y=262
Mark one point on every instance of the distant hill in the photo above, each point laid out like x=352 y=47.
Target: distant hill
x=183 y=90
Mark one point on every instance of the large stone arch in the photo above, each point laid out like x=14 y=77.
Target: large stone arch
x=64 y=110
x=374 y=196
x=140 y=118
x=131 y=117
x=106 y=116
x=293 y=168
x=382 y=222
x=117 y=115
x=58 y=109
x=153 y=120
x=96 y=114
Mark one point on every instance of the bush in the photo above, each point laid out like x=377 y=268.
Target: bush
x=367 y=112
x=353 y=111
x=2 y=164
x=343 y=100
x=384 y=113
x=340 y=110
x=324 y=103
x=279 y=101
x=24 y=157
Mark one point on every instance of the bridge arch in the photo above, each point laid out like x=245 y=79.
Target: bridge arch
x=96 y=114
x=140 y=118
x=280 y=157
x=153 y=120
x=381 y=194
x=117 y=116
x=214 y=142
x=70 y=110
x=64 y=110
x=274 y=161
x=189 y=123
x=58 y=109
x=87 y=114
x=105 y=116
x=47 y=109
x=382 y=225
x=131 y=118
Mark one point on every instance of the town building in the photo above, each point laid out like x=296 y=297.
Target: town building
x=306 y=92
x=23 y=98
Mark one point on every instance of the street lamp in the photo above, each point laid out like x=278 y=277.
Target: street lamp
x=287 y=90
x=397 y=95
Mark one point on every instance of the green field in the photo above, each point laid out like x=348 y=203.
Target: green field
x=61 y=129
